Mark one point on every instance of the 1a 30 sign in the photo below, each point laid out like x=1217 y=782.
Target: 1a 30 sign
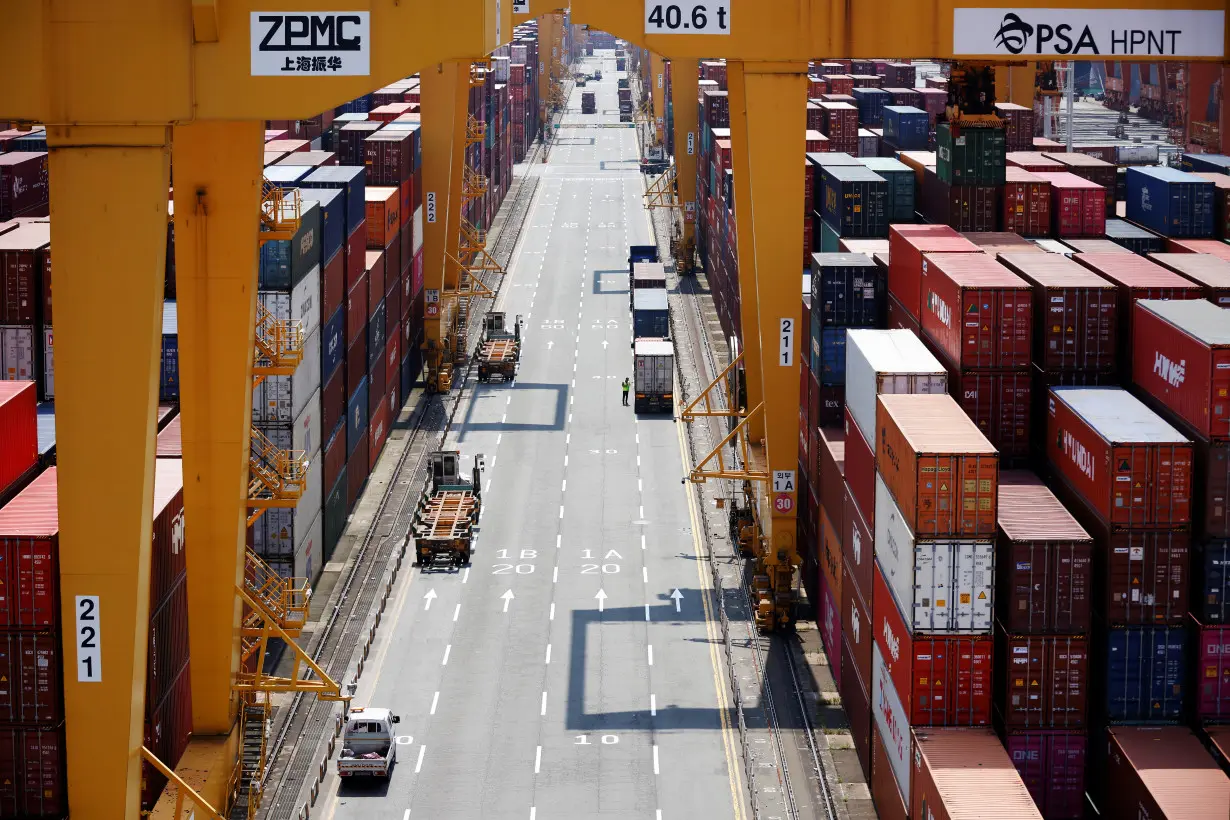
x=311 y=43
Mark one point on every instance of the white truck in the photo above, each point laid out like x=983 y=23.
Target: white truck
x=368 y=745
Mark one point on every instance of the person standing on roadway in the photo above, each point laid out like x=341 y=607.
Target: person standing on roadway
x=626 y=385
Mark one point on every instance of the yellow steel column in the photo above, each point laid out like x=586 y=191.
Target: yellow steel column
x=547 y=26
x=684 y=78
x=745 y=251
x=445 y=93
x=657 y=88
x=109 y=223
x=770 y=180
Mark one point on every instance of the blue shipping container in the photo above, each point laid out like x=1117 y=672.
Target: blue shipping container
x=1146 y=673
x=1171 y=203
x=848 y=290
x=333 y=345
x=332 y=219
x=1206 y=163
x=351 y=181
x=901 y=180
x=410 y=365
x=284 y=262
x=871 y=105
x=650 y=314
x=855 y=201
x=356 y=417
x=1210 y=594
x=376 y=335
x=906 y=127
x=822 y=162
x=359 y=105
x=168 y=370
x=832 y=355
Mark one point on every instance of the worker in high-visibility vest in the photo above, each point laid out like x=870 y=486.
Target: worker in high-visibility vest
x=627 y=385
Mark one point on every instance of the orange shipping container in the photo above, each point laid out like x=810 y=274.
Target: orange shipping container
x=960 y=773
x=383 y=216
x=940 y=469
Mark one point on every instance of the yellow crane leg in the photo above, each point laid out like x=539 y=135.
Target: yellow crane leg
x=684 y=91
x=657 y=87
x=1015 y=84
x=218 y=177
x=768 y=124
x=445 y=90
x=109 y=223
x=546 y=40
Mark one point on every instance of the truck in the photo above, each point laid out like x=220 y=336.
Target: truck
x=447 y=511
x=653 y=375
x=499 y=352
x=651 y=317
x=368 y=745
x=646 y=276
x=589 y=103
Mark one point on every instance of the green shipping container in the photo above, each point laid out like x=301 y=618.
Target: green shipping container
x=829 y=237
x=335 y=516
x=901 y=180
x=974 y=156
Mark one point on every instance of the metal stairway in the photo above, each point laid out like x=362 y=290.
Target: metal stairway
x=254 y=731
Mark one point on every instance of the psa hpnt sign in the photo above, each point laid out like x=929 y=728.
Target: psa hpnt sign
x=1088 y=33
x=311 y=43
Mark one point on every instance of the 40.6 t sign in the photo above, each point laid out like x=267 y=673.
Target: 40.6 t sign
x=311 y=43
x=1088 y=33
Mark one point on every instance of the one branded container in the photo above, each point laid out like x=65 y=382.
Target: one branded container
x=1051 y=762
x=1078 y=206
x=976 y=311
x=1212 y=673
x=1181 y=358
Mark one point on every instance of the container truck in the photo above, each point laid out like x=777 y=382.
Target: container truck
x=447 y=511
x=499 y=352
x=653 y=375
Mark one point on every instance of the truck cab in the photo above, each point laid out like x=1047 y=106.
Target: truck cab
x=368 y=744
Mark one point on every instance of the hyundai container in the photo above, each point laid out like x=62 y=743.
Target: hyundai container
x=1140 y=673
x=1161 y=772
x=940 y=469
x=1211 y=272
x=1044 y=559
x=1051 y=763
x=908 y=246
x=858 y=545
x=965 y=773
x=976 y=311
x=1181 y=358
x=1170 y=202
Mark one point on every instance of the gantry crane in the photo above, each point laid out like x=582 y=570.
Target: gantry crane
x=767 y=47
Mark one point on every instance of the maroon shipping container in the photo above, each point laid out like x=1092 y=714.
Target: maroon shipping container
x=828 y=619
x=377 y=384
x=378 y=430
x=965 y=773
x=1096 y=246
x=333 y=285
x=857 y=705
x=389 y=157
x=963 y=207
x=333 y=402
x=1095 y=170
x=1041 y=681
x=1019 y=125
x=1161 y=772
x=23 y=252
x=168 y=558
x=900 y=319
x=375 y=279
x=18 y=432
x=889 y=802
x=1078 y=206
x=356 y=255
x=33 y=780
x=30 y=688
x=29 y=552
x=1044 y=560
x=167 y=653
x=335 y=455
x=856 y=623
x=168 y=728
x=1051 y=762
x=356 y=364
x=1075 y=312
x=860 y=471
x=978 y=313
x=831 y=470
x=392 y=364
x=357 y=471
x=1212 y=673
x=23 y=183
x=1181 y=358
x=356 y=312
x=1026 y=203
x=907 y=246
x=941 y=680
x=1211 y=272
x=1034 y=161
x=392 y=261
x=857 y=546
x=1141 y=576
x=1130 y=466
x=1212 y=514
x=999 y=402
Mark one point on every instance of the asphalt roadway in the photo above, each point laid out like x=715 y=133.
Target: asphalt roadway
x=574 y=670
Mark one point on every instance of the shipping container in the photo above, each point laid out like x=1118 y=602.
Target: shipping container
x=1093 y=169
x=332 y=204
x=1000 y=404
x=350 y=181
x=1026 y=203
x=1221 y=203
x=900 y=178
x=23 y=183
x=1131 y=467
x=1162 y=772
x=1018 y=126
x=33 y=777
x=282 y=399
x=885 y=768
x=828 y=619
x=25 y=250
x=976 y=311
x=653 y=375
x=1074 y=312
x=1034 y=161
x=906 y=127
x=1044 y=559
x=1212 y=671
x=1041 y=681
x=170 y=439
x=856 y=703
x=1140 y=673
x=847 y=290
x=855 y=201
x=1052 y=765
x=908 y=245
x=860 y=468
x=962 y=773
x=828 y=477
x=284 y=262
x=942 y=585
x=940 y=469
x=940 y=680
x=962 y=207
x=1211 y=272
x=19 y=449
x=1170 y=202
x=650 y=314
x=1133 y=237
x=887 y=361
x=1078 y=206
x=30 y=687
x=970 y=156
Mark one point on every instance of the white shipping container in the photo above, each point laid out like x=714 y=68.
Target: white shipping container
x=941 y=585
x=300 y=305
x=303 y=434
x=654 y=368
x=892 y=721
x=887 y=361
x=1136 y=154
x=276 y=533
x=519 y=53
x=17 y=352
x=1053 y=246
x=416 y=235
x=282 y=398
x=49 y=368
x=309 y=554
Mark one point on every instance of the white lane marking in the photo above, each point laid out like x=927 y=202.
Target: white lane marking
x=565 y=461
x=465 y=576
x=448 y=649
x=503 y=419
x=578 y=335
x=574 y=382
x=563 y=485
x=658 y=816
x=558 y=539
x=642 y=541
x=571 y=399
x=651 y=654
x=561 y=510
x=653 y=705
x=435 y=699
x=406 y=816
x=655 y=758
x=555 y=577
x=538 y=754
x=498 y=439
x=642 y=511
x=574 y=368
x=548 y=653
x=640 y=488
x=551 y=617
x=509 y=401
x=456 y=611
x=570 y=418
x=533 y=813
x=638 y=438
x=638 y=460
x=418 y=766
x=645 y=574
x=488 y=488
x=567 y=438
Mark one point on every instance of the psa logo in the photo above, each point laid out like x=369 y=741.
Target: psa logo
x=1014 y=34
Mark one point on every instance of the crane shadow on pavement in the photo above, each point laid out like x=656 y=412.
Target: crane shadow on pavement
x=481 y=390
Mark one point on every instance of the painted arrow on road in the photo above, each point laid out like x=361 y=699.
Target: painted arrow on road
x=677 y=596
x=604 y=344
x=507 y=596
x=601 y=596
x=550 y=345
x=429 y=597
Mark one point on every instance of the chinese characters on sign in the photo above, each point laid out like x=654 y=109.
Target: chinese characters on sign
x=316 y=65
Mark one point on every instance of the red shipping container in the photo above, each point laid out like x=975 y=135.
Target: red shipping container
x=1131 y=467
x=829 y=552
x=18 y=432
x=941 y=680
x=23 y=183
x=288 y=145
x=392 y=362
x=900 y=319
x=168 y=728
x=357 y=471
x=1181 y=358
x=1052 y=765
x=1141 y=576
x=857 y=705
x=168 y=558
x=1214 y=247
x=378 y=431
x=376 y=273
x=388 y=157
x=1019 y=125
x=1041 y=680
x=962 y=773
x=839 y=83
x=857 y=548
x=831 y=472
x=333 y=284
x=907 y=246
x=889 y=802
x=377 y=385
x=356 y=364
x=29 y=557
x=1044 y=560
x=1026 y=203
x=978 y=313
x=1093 y=169
x=1213 y=272
x=392 y=263
x=860 y=470
x=170 y=440
x=1034 y=161
x=383 y=215
x=829 y=621
x=356 y=255
x=856 y=623
x=167 y=653
x=1161 y=771
x=356 y=313
x=22 y=253
x=1075 y=312
x=999 y=403
x=30 y=688
x=1212 y=671
x=1212 y=482
x=1078 y=206
x=33 y=778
